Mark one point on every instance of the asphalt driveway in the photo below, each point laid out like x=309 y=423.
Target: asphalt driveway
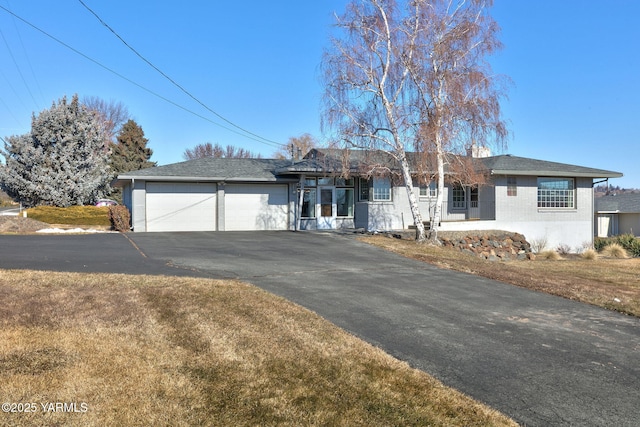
x=540 y=359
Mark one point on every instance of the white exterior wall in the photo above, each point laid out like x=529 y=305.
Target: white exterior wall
x=520 y=213
x=572 y=227
x=255 y=207
x=139 y=206
x=396 y=215
x=393 y=215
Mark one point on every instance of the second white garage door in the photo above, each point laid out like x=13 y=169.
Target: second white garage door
x=181 y=206
x=256 y=207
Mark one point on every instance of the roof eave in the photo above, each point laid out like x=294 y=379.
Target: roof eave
x=569 y=174
x=174 y=178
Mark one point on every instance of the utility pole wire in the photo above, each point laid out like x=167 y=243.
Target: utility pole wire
x=128 y=79
x=173 y=81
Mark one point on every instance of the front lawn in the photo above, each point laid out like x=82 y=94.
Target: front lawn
x=166 y=351
x=72 y=215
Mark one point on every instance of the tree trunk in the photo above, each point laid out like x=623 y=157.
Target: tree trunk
x=413 y=202
x=437 y=212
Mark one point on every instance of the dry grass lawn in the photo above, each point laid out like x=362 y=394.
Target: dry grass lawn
x=606 y=282
x=145 y=350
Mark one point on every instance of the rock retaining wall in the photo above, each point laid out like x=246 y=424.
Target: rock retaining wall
x=494 y=247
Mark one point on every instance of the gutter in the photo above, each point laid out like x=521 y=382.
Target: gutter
x=202 y=179
x=567 y=174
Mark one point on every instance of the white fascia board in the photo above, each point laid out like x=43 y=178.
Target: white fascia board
x=566 y=174
x=167 y=178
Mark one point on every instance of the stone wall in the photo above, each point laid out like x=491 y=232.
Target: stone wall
x=494 y=246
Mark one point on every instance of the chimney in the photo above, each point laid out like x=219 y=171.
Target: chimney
x=477 y=151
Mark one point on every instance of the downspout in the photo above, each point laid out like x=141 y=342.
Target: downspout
x=133 y=185
x=300 y=201
x=593 y=210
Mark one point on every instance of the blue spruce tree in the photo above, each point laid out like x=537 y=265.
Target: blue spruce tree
x=61 y=162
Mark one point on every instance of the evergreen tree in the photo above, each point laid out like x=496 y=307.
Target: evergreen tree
x=61 y=162
x=129 y=153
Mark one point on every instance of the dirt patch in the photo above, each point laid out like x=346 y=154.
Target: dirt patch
x=17 y=224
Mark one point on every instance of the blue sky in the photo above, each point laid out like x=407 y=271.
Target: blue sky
x=575 y=67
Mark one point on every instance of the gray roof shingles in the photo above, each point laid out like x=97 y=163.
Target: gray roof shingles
x=327 y=161
x=513 y=165
x=213 y=169
x=622 y=203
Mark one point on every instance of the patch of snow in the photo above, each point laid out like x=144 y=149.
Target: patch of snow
x=71 y=230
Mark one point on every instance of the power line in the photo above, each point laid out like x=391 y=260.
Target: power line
x=133 y=82
x=173 y=81
x=13 y=58
x=26 y=55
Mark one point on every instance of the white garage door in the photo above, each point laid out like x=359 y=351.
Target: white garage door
x=181 y=206
x=256 y=207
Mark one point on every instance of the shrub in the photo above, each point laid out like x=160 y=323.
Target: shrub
x=630 y=242
x=589 y=254
x=549 y=255
x=600 y=242
x=563 y=249
x=538 y=245
x=72 y=215
x=615 y=250
x=634 y=248
x=120 y=218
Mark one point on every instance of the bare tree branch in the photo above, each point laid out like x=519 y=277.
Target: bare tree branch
x=413 y=75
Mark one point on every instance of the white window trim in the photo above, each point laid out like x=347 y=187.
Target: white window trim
x=559 y=197
x=372 y=189
x=454 y=202
x=353 y=207
x=431 y=190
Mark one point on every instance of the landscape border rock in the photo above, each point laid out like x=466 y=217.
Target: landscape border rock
x=490 y=245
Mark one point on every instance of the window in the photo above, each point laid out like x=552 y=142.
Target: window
x=378 y=189
x=364 y=190
x=512 y=186
x=381 y=189
x=556 y=193
x=344 y=201
x=325 y=181
x=309 y=203
x=429 y=190
x=344 y=182
x=309 y=199
x=457 y=197
x=473 y=197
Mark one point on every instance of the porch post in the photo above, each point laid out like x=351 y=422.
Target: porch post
x=300 y=201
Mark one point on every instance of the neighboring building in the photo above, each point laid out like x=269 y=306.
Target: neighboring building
x=542 y=200
x=618 y=214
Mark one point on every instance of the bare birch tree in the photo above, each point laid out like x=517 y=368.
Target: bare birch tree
x=412 y=75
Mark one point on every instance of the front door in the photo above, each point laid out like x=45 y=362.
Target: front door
x=326 y=208
x=474 y=204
